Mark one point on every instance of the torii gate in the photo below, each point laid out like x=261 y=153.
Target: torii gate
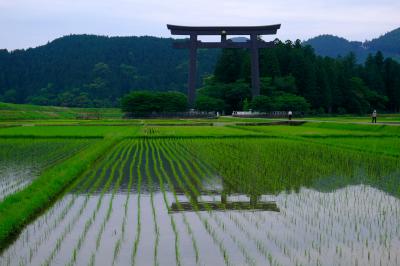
x=253 y=44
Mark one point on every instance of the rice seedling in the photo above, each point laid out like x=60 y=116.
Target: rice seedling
x=123 y=225
x=166 y=202
x=138 y=227
x=68 y=229
x=62 y=213
x=119 y=164
x=191 y=191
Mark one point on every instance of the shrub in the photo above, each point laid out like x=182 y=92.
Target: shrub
x=206 y=103
x=148 y=102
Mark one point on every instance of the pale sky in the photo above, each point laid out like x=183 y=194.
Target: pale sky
x=29 y=23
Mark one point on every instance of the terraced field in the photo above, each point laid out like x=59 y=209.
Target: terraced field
x=202 y=195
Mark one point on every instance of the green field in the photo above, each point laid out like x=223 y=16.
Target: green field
x=195 y=192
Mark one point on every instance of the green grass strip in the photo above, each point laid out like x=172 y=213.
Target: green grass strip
x=19 y=209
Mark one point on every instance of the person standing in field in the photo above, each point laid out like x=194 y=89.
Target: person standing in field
x=290 y=115
x=374 y=116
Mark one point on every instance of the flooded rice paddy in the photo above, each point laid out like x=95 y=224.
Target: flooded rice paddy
x=155 y=202
x=21 y=160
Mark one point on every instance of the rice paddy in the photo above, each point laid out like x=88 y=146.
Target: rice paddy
x=204 y=195
x=21 y=160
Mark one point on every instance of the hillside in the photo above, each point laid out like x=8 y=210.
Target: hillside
x=82 y=70
x=14 y=112
x=334 y=46
x=388 y=43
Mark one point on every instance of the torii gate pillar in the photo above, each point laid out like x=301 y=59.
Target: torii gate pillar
x=255 y=67
x=192 y=70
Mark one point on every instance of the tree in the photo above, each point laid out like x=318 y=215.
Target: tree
x=356 y=100
x=143 y=102
x=10 y=96
x=172 y=101
x=66 y=99
x=229 y=65
x=288 y=101
x=246 y=105
x=206 y=103
x=262 y=103
x=233 y=94
x=286 y=84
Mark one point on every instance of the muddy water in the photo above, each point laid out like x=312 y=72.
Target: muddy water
x=136 y=210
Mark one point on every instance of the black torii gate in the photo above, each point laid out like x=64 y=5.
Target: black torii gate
x=253 y=44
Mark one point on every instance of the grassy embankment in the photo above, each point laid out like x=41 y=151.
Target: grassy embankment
x=12 y=112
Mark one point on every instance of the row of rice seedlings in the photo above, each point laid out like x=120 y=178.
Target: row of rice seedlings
x=220 y=223
x=261 y=164
x=355 y=227
x=120 y=162
x=138 y=226
x=281 y=246
x=44 y=227
x=188 y=227
x=151 y=188
x=75 y=219
x=205 y=176
x=324 y=229
x=316 y=161
x=189 y=192
x=118 y=243
x=160 y=172
x=259 y=242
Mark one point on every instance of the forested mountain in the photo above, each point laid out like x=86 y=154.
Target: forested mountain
x=89 y=70
x=333 y=46
x=94 y=71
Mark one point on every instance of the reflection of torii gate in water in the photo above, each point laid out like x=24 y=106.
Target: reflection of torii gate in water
x=253 y=44
x=195 y=205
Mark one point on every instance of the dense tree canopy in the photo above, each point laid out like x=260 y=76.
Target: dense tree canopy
x=143 y=102
x=293 y=77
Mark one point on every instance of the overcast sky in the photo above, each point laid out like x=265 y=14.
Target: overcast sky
x=29 y=23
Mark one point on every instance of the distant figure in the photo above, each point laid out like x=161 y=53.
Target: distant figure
x=290 y=115
x=374 y=116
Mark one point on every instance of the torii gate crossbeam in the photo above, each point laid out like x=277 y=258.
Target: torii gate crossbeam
x=254 y=44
